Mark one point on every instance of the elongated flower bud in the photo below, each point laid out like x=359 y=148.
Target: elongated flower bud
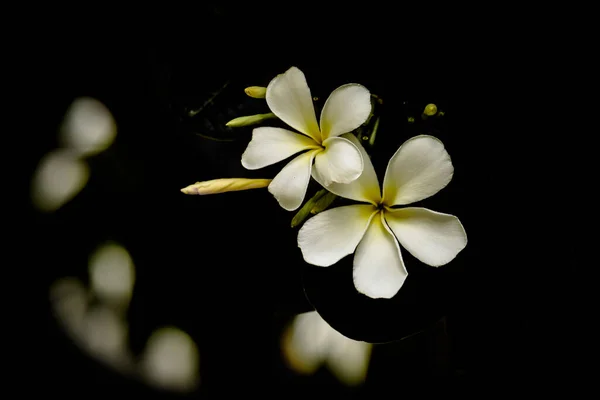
x=257 y=92
x=249 y=120
x=225 y=185
x=324 y=202
x=304 y=212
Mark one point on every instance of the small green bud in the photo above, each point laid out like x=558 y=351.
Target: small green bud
x=430 y=110
x=257 y=92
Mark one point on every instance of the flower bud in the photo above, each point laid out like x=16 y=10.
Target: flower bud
x=225 y=185
x=323 y=203
x=304 y=212
x=257 y=92
x=430 y=110
x=249 y=120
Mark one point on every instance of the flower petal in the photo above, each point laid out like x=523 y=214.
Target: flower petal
x=364 y=188
x=432 y=237
x=288 y=97
x=271 y=145
x=348 y=359
x=341 y=162
x=420 y=168
x=306 y=342
x=347 y=108
x=289 y=185
x=333 y=234
x=378 y=266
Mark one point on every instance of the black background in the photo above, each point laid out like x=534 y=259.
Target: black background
x=226 y=268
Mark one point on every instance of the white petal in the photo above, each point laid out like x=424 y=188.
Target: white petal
x=59 y=177
x=364 y=188
x=88 y=127
x=288 y=97
x=112 y=274
x=289 y=186
x=378 y=266
x=104 y=334
x=347 y=108
x=171 y=360
x=69 y=299
x=432 y=237
x=420 y=168
x=341 y=162
x=333 y=234
x=306 y=342
x=348 y=359
x=271 y=145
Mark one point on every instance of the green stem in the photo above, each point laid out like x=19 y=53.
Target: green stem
x=306 y=208
x=214 y=138
x=375 y=127
x=324 y=202
x=192 y=113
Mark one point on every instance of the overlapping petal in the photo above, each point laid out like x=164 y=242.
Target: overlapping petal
x=289 y=98
x=289 y=186
x=419 y=169
x=379 y=270
x=331 y=235
x=432 y=237
x=347 y=108
x=348 y=359
x=271 y=145
x=310 y=341
x=365 y=188
x=306 y=342
x=340 y=162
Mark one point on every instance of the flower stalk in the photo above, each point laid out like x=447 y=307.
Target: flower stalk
x=374 y=132
x=305 y=211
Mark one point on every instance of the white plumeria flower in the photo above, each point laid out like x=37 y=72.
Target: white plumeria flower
x=310 y=342
x=420 y=168
x=336 y=159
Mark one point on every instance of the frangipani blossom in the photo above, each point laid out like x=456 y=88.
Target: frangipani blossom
x=309 y=342
x=336 y=159
x=420 y=168
x=95 y=318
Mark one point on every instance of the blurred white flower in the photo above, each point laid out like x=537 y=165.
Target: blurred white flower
x=309 y=342
x=88 y=127
x=112 y=274
x=170 y=360
x=95 y=319
x=336 y=159
x=60 y=175
x=69 y=298
x=105 y=335
x=420 y=168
